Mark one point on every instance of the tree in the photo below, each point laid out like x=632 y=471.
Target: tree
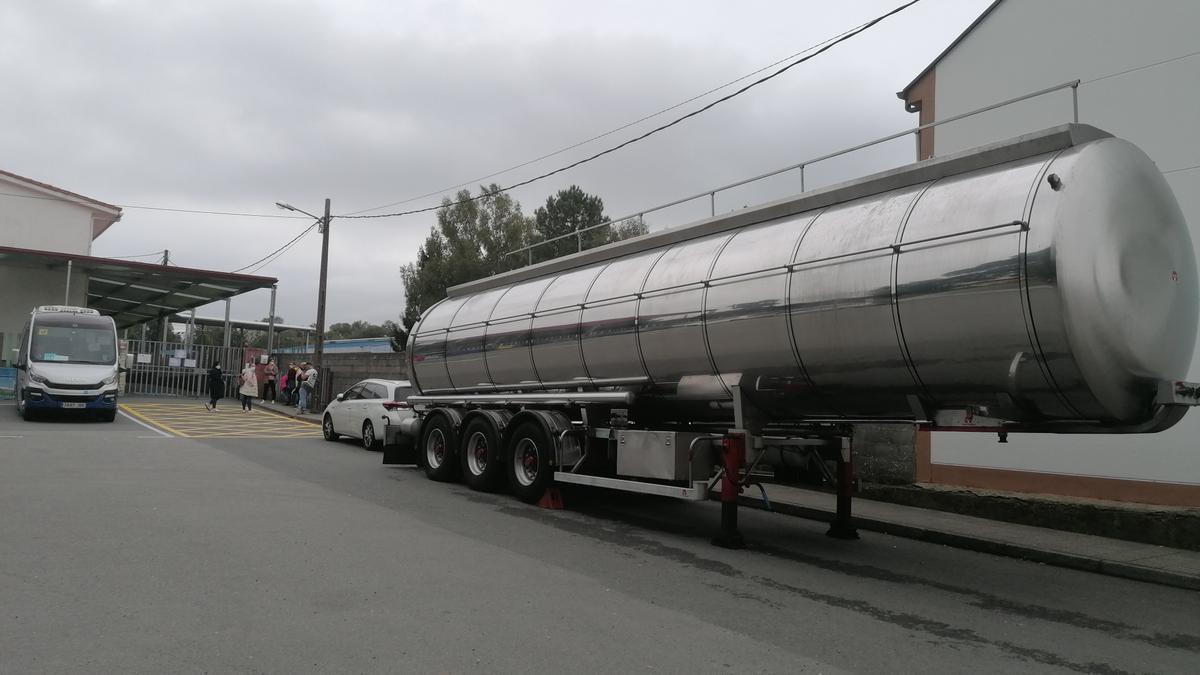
x=569 y=212
x=469 y=241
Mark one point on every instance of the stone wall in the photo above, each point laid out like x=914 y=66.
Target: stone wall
x=342 y=370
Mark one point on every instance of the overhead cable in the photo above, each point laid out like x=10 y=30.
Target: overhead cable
x=597 y=137
x=280 y=249
x=668 y=125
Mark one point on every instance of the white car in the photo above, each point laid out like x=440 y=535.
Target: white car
x=366 y=411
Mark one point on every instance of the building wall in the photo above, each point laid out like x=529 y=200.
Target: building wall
x=23 y=288
x=43 y=224
x=1025 y=45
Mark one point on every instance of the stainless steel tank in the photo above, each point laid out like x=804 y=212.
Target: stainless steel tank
x=1046 y=278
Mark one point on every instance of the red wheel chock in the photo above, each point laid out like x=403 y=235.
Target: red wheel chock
x=551 y=500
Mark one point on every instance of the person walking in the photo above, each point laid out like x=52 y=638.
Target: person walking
x=249 y=388
x=283 y=388
x=269 y=372
x=216 y=386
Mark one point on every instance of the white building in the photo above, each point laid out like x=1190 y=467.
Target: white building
x=1138 y=64
x=40 y=217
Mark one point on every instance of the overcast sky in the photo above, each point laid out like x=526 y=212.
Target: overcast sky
x=234 y=105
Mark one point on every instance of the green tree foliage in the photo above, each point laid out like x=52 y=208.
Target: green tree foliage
x=468 y=242
x=573 y=210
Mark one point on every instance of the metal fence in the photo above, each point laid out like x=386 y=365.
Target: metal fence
x=172 y=369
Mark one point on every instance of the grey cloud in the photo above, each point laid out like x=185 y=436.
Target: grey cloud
x=233 y=105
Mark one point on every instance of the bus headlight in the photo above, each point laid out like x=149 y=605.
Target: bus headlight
x=35 y=376
x=111 y=379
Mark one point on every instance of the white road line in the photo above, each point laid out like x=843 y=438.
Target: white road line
x=137 y=421
x=12 y=437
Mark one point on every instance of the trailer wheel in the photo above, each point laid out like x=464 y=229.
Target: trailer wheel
x=482 y=456
x=528 y=460
x=437 y=449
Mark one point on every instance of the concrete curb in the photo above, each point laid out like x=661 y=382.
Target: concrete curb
x=985 y=545
x=287 y=413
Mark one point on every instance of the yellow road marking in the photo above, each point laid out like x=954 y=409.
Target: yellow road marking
x=189 y=420
x=147 y=420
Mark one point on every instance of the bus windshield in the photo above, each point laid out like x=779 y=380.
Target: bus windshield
x=73 y=339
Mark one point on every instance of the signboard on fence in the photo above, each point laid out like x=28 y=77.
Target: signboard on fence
x=8 y=383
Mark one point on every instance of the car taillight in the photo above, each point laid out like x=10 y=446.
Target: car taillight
x=395 y=405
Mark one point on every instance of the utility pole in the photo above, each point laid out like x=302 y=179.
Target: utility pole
x=166 y=321
x=319 y=348
x=323 y=222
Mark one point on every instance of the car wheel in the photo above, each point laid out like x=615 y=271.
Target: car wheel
x=437 y=449
x=528 y=460
x=327 y=429
x=108 y=416
x=369 y=441
x=482 y=456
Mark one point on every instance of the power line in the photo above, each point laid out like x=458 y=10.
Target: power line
x=1134 y=70
x=280 y=249
x=597 y=137
x=830 y=45
x=280 y=253
x=1186 y=168
x=155 y=254
x=157 y=208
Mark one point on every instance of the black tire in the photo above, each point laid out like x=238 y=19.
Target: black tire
x=482 y=456
x=108 y=416
x=26 y=412
x=327 y=428
x=527 y=462
x=437 y=449
x=369 y=440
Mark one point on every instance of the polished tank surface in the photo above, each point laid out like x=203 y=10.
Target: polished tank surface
x=1050 y=286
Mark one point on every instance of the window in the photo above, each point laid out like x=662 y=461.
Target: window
x=375 y=391
x=402 y=393
x=73 y=339
x=353 y=393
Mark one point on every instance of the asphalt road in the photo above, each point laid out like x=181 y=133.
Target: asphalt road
x=123 y=550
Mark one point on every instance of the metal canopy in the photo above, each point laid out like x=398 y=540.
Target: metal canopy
x=236 y=323
x=134 y=292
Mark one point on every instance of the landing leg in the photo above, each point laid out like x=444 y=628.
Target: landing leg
x=734 y=453
x=842 y=526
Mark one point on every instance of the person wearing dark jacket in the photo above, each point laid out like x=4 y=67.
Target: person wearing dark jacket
x=216 y=386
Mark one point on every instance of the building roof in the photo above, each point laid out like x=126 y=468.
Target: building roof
x=135 y=292
x=903 y=93
x=109 y=213
x=238 y=323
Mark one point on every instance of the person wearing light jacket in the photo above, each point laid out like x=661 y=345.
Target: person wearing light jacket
x=249 y=389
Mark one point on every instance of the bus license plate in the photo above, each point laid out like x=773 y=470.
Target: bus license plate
x=74 y=405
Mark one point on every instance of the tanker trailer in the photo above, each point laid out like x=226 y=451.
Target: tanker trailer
x=1042 y=284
